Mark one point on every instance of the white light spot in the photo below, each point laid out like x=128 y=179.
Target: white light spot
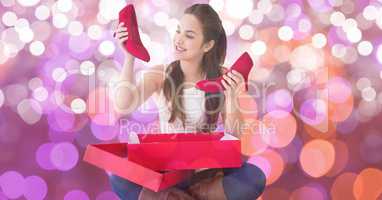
x=95 y=32
x=106 y=48
x=161 y=18
x=64 y=5
x=60 y=20
x=59 y=74
x=369 y=94
x=239 y=10
x=258 y=48
x=78 y=106
x=9 y=18
x=365 y=48
x=246 y=32
x=370 y=12
x=337 y=18
x=217 y=5
x=37 y=48
x=40 y=94
x=75 y=28
x=285 y=33
x=28 y=3
x=42 y=12
x=319 y=40
x=87 y=68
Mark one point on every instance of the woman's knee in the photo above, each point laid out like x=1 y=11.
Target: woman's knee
x=125 y=189
x=247 y=182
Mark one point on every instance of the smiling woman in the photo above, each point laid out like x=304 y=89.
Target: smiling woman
x=199 y=49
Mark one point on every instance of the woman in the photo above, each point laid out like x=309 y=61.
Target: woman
x=200 y=49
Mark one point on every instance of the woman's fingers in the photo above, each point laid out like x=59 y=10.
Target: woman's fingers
x=229 y=79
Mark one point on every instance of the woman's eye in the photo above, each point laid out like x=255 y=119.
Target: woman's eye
x=177 y=31
x=190 y=37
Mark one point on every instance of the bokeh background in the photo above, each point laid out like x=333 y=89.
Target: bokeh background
x=316 y=84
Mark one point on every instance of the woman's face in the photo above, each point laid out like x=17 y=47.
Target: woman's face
x=188 y=39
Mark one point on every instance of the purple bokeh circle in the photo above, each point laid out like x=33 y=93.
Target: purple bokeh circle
x=43 y=156
x=64 y=156
x=12 y=184
x=108 y=195
x=76 y=195
x=35 y=188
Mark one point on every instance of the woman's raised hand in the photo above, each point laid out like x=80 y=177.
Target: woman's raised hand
x=122 y=35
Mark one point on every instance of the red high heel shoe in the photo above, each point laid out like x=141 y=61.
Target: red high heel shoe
x=243 y=65
x=133 y=44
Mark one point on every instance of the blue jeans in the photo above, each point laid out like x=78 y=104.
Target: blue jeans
x=244 y=183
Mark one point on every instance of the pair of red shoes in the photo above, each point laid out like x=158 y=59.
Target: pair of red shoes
x=134 y=46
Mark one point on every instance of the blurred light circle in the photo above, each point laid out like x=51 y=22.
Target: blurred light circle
x=217 y=5
x=285 y=33
x=15 y=93
x=76 y=195
x=370 y=148
x=354 y=35
x=295 y=76
x=78 y=106
x=337 y=18
x=106 y=48
x=313 y=111
x=379 y=52
x=79 y=43
x=109 y=11
x=7 y=3
x=265 y=6
x=246 y=32
x=40 y=94
x=342 y=185
x=37 y=48
x=104 y=133
x=258 y=48
x=349 y=24
x=26 y=35
x=317 y=157
x=87 y=68
x=75 y=28
x=12 y=184
x=1 y=98
x=307 y=192
x=339 y=90
x=363 y=83
x=60 y=20
x=279 y=100
x=335 y=3
x=42 y=12
x=283 y=126
x=35 y=188
x=95 y=32
x=298 y=57
x=256 y=17
x=368 y=184
x=369 y=94
x=370 y=12
x=28 y=3
x=319 y=40
x=59 y=74
x=276 y=14
x=338 y=50
x=342 y=158
x=34 y=83
x=21 y=24
x=64 y=156
x=161 y=18
x=365 y=48
x=159 y=55
x=293 y=10
x=42 y=156
x=29 y=110
x=107 y=195
x=42 y=30
x=9 y=18
x=239 y=10
x=304 y=25
x=229 y=27
x=271 y=163
x=64 y=5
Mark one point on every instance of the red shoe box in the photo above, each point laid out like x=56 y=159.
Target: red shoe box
x=112 y=158
x=182 y=151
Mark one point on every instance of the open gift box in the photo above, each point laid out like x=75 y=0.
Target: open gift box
x=181 y=151
x=112 y=158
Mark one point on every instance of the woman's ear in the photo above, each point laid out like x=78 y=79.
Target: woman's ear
x=208 y=46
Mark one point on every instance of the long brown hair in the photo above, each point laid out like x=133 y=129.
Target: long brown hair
x=211 y=66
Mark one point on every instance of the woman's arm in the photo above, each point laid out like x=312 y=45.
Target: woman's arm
x=128 y=95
